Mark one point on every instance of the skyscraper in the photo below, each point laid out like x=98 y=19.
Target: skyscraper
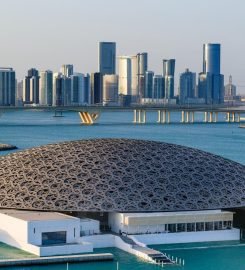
x=205 y=87
x=58 y=89
x=46 y=88
x=107 y=58
x=31 y=87
x=124 y=71
x=134 y=90
x=96 y=83
x=230 y=90
x=77 y=89
x=142 y=60
x=168 y=74
x=168 y=67
x=187 y=85
x=158 y=87
x=67 y=70
x=132 y=75
x=87 y=89
x=19 y=95
x=7 y=87
x=169 y=87
x=148 y=84
x=211 y=70
x=67 y=91
x=110 y=89
x=211 y=58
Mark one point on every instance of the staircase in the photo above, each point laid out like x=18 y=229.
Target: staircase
x=152 y=255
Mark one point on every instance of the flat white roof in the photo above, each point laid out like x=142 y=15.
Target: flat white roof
x=181 y=213
x=35 y=215
x=88 y=220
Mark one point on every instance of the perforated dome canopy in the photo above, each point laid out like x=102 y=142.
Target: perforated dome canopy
x=109 y=175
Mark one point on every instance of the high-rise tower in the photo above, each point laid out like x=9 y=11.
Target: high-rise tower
x=7 y=87
x=211 y=58
x=67 y=70
x=187 y=85
x=107 y=58
x=168 y=75
x=46 y=88
x=142 y=61
x=31 y=87
x=211 y=82
x=148 y=84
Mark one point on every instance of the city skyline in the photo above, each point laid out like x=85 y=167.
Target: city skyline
x=134 y=83
x=22 y=46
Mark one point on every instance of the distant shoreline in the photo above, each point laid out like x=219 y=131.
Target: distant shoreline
x=6 y=147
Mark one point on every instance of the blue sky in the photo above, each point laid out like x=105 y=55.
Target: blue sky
x=47 y=33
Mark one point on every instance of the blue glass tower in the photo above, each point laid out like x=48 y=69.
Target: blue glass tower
x=211 y=82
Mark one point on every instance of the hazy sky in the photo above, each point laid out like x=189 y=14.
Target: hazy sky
x=48 y=33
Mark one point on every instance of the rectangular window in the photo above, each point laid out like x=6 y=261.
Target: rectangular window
x=172 y=228
x=53 y=238
x=200 y=226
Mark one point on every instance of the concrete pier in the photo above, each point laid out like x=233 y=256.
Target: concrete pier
x=57 y=259
x=139 y=117
x=205 y=117
x=163 y=117
x=187 y=117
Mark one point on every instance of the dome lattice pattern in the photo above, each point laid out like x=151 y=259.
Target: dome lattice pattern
x=119 y=175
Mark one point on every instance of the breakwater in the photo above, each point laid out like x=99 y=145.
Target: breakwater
x=7 y=147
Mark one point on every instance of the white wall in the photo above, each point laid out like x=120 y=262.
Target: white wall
x=89 y=226
x=187 y=237
x=115 y=221
x=67 y=225
x=100 y=241
x=66 y=249
x=13 y=231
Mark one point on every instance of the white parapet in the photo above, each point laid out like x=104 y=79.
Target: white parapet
x=186 y=237
x=110 y=240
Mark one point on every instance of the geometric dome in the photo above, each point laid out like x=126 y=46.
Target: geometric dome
x=109 y=175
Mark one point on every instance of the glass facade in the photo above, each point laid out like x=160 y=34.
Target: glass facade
x=187 y=85
x=31 y=87
x=148 y=84
x=211 y=82
x=107 y=57
x=7 y=87
x=53 y=238
x=180 y=227
x=46 y=88
x=168 y=74
x=96 y=88
x=158 y=87
x=211 y=58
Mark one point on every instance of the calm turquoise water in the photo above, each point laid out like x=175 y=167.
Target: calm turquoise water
x=28 y=129
x=221 y=256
